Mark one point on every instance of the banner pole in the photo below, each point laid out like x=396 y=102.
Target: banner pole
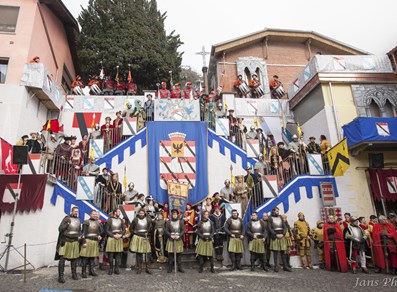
x=381 y=195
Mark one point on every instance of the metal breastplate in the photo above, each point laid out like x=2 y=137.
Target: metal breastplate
x=115 y=227
x=93 y=227
x=277 y=223
x=73 y=230
x=235 y=226
x=256 y=227
x=141 y=225
x=175 y=227
x=356 y=233
x=206 y=227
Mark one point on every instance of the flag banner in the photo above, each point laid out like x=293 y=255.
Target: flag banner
x=33 y=166
x=108 y=103
x=232 y=206
x=179 y=203
x=51 y=125
x=269 y=186
x=31 y=195
x=315 y=164
x=274 y=107
x=327 y=194
x=387 y=185
x=253 y=148
x=86 y=119
x=222 y=127
x=96 y=148
x=69 y=104
x=176 y=110
x=338 y=157
x=129 y=126
x=88 y=103
x=128 y=212
x=178 y=189
x=85 y=188
x=178 y=152
x=6 y=154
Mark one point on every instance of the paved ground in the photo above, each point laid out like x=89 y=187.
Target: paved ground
x=299 y=280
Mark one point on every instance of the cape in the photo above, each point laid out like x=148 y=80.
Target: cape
x=340 y=247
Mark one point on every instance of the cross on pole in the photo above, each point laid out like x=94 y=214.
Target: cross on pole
x=203 y=53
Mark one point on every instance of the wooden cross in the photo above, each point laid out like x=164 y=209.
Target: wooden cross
x=203 y=53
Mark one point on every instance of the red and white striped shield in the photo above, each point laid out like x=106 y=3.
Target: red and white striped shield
x=392 y=184
x=177 y=160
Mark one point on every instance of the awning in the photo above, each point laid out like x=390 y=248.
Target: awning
x=384 y=183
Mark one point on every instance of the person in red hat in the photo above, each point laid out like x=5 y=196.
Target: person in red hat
x=77 y=86
x=163 y=91
x=131 y=87
x=119 y=86
x=94 y=85
x=118 y=128
x=188 y=91
x=107 y=134
x=107 y=85
x=190 y=223
x=176 y=92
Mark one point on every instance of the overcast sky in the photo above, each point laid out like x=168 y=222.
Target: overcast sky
x=366 y=24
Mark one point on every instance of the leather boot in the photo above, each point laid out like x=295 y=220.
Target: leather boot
x=275 y=259
x=201 y=263
x=238 y=261
x=61 y=270
x=147 y=263
x=117 y=263
x=91 y=270
x=179 y=263
x=84 y=267
x=289 y=261
x=252 y=262
x=309 y=262
x=263 y=263
x=170 y=261
x=233 y=259
x=73 y=265
x=212 y=265
x=303 y=261
x=111 y=256
x=284 y=259
x=138 y=263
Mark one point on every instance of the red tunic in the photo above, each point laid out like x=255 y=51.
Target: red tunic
x=117 y=123
x=131 y=86
x=340 y=247
x=164 y=93
x=119 y=86
x=377 y=247
x=187 y=93
x=107 y=133
x=176 y=93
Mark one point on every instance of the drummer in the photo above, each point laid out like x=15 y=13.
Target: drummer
x=77 y=86
x=94 y=85
x=254 y=84
x=241 y=86
x=274 y=85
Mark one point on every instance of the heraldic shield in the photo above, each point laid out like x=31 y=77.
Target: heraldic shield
x=177 y=153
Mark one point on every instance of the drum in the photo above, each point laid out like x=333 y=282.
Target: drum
x=280 y=91
x=244 y=88
x=78 y=91
x=259 y=90
x=95 y=89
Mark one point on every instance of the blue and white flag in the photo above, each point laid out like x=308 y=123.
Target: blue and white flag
x=315 y=164
x=178 y=152
x=85 y=188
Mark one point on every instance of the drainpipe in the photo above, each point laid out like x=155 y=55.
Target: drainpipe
x=334 y=112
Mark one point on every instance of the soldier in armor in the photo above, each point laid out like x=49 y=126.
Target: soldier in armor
x=92 y=230
x=205 y=231
x=265 y=221
x=257 y=234
x=218 y=219
x=159 y=238
x=115 y=230
x=234 y=228
x=68 y=244
x=278 y=242
x=174 y=230
x=140 y=227
x=302 y=236
x=317 y=234
x=355 y=238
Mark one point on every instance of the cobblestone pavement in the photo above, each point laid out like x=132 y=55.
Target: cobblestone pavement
x=224 y=280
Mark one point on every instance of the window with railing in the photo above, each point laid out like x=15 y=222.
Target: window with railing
x=3 y=69
x=8 y=18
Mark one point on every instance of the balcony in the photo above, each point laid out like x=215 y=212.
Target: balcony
x=42 y=83
x=371 y=134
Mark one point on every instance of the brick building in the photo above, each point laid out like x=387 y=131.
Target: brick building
x=270 y=52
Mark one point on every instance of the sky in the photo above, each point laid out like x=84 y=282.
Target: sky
x=364 y=24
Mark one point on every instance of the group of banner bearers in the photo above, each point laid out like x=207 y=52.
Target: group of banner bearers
x=338 y=246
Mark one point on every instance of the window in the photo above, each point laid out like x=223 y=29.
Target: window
x=8 y=18
x=66 y=79
x=3 y=69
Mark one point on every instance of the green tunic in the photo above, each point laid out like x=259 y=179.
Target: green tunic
x=236 y=245
x=91 y=250
x=257 y=245
x=278 y=244
x=170 y=245
x=70 y=250
x=114 y=245
x=140 y=244
x=204 y=247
